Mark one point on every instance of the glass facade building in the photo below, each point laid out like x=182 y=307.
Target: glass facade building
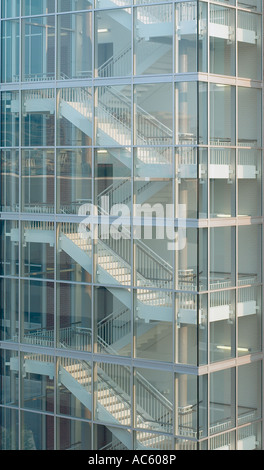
x=131 y=221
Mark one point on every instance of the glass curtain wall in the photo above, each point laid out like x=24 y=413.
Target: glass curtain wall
x=131 y=224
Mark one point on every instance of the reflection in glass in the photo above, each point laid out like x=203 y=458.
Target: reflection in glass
x=37 y=254
x=10 y=8
x=34 y=434
x=73 y=435
x=37 y=313
x=9 y=248
x=38 y=59
x=10 y=40
x=9 y=136
x=74 y=313
x=72 y=5
x=74 y=179
x=38 y=117
x=9 y=180
x=9 y=306
x=38 y=181
x=9 y=380
x=37 y=7
x=75 y=46
x=9 y=429
x=37 y=390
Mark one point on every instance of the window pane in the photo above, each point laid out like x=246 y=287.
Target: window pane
x=38 y=117
x=153 y=319
x=74 y=252
x=249 y=307
x=10 y=119
x=249 y=45
x=34 y=434
x=113 y=116
x=222 y=114
x=249 y=173
x=9 y=248
x=222 y=325
x=75 y=49
x=74 y=117
x=73 y=5
x=9 y=429
x=68 y=404
x=222 y=400
x=73 y=435
x=9 y=180
x=159 y=408
x=254 y=5
x=153 y=117
x=153 y=39
x=10 y=8
x=74 y=179
x=9 y=381
x=37 y=389
x=249 y=254
x=38 y=181
x=249 y=130
x=249 y=393
x=37 y=254
x=222 y=183
x=222 y=40
x=112 y=383
x=38 y=60
x=113 y=58
x=9 y=309
x=37 y=313
x=37 y=7
x=10 y=40
x=74 y=316
x=113 y=325
x=222 y=257
x=112 y=179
